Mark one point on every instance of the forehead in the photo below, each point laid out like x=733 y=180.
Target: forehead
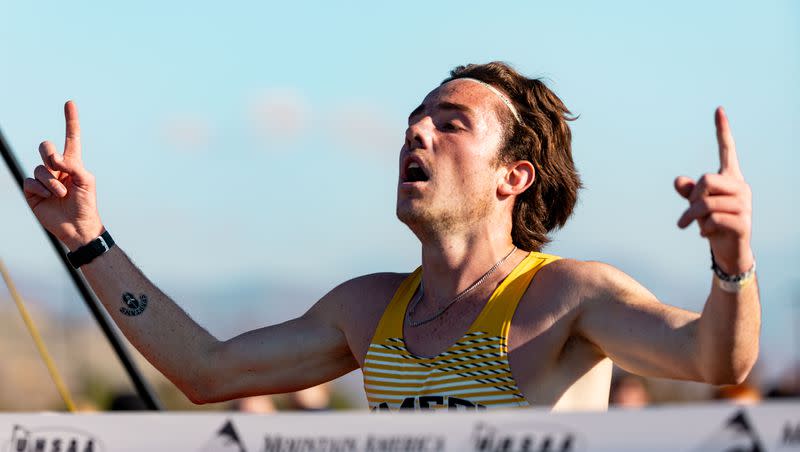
x=479 y=99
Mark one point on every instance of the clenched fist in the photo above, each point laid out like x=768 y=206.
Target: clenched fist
x=62 y=193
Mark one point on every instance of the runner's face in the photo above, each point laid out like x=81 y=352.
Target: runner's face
x=448 y=163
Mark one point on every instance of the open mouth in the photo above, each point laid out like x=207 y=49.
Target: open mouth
x=413 y=172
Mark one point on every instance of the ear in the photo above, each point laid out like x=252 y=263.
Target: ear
x=517 y=177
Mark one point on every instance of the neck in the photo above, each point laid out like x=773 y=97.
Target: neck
x=453 y=262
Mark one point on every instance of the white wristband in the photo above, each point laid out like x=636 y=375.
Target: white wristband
x=734 y=287
x=732 y=283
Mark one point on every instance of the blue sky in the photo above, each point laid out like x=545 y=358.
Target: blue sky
x=209 y=187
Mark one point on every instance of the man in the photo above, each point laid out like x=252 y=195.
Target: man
x=486 y=173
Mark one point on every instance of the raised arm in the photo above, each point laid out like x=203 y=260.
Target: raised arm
x=718 y=346
x=293 y=355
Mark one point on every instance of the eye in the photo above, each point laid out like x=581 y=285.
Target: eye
x=450 y=127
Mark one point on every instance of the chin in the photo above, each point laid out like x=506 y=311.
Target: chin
x=413 y=215
x=408 y=214
x=424 y=223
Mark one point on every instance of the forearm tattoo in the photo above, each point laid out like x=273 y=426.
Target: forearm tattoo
x=133 y=307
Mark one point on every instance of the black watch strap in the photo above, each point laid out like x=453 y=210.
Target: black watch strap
x=91 y=250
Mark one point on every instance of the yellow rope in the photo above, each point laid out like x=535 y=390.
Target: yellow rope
x=48 y=361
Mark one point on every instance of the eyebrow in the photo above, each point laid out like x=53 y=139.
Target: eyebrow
x=443 y=106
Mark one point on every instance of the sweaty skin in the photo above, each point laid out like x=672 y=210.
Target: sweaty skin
x=574 y=319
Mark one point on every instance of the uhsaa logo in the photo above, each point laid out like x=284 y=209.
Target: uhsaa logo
x=226 y=439
x=47 y=439
x=736 y=434
x=525 y=438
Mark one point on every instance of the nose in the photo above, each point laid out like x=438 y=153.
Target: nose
x=418 y=134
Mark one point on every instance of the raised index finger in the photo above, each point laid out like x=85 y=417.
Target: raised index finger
x=728 y=161
x=72 y=143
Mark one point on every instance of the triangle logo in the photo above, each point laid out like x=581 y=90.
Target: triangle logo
x=226 y=439
x=736 y=435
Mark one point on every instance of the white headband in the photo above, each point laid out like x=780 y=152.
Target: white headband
x=502 y=97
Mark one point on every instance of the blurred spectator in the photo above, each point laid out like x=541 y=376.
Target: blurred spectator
x=123 y=401
x=629 y=391
x=316 y=398
x=256 y=404
x=86 y=406
x=744 y=394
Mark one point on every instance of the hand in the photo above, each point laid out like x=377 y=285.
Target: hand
x=722 y=205
x=62 y=193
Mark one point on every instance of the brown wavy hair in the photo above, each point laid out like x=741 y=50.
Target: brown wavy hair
x=545 y=140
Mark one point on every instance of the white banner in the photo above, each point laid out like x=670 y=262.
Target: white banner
x=771 y=426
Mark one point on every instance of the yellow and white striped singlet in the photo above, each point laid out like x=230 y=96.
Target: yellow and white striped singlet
x=473 y=373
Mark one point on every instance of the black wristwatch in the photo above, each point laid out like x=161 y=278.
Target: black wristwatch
x=91 y=250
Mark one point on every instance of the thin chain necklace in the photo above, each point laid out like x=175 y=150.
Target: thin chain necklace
x=456 y=298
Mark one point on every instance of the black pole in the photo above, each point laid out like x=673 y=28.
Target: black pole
x=142 y=388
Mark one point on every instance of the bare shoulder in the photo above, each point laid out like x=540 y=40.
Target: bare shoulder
x=360 y=296
x=566 y=292
x=588 y=280
x=356 y=306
